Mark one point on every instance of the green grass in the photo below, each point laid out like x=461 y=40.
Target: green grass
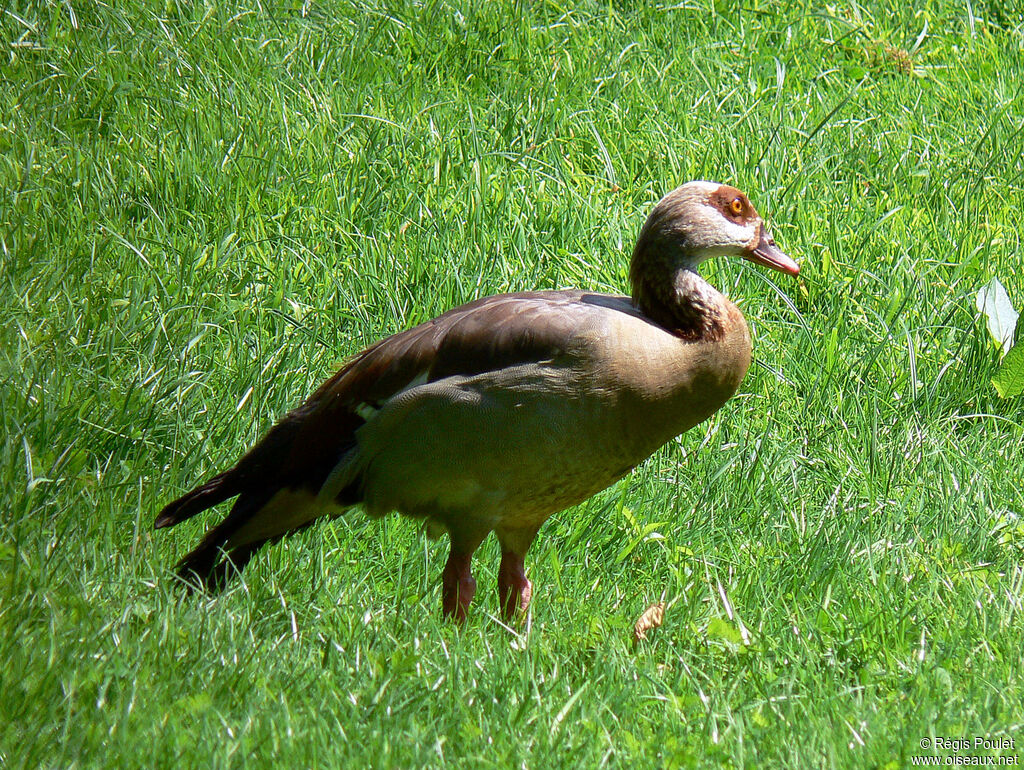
x=206 y=208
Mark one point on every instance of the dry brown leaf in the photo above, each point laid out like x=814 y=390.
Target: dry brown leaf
x=651 y=618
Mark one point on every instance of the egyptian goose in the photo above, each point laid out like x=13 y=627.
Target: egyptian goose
x=502 y=412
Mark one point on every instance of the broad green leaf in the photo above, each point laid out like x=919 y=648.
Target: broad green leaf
x=722 y=630
x=993 y=301
x=1009 y=379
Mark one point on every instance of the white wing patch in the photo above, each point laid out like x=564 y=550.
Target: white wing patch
x=366 y=411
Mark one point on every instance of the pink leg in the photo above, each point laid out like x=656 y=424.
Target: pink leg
x=514 y=590
x=457 y=586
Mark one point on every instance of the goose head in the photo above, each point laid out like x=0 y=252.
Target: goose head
x=692 y=223
x=700 y=220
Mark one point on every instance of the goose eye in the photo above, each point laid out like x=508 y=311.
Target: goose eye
x=736 y=206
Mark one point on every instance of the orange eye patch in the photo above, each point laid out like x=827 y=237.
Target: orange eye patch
x=736 y=206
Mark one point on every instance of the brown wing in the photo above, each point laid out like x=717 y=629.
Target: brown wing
x=488 y=334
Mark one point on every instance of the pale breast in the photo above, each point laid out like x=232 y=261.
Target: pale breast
x=665 y=385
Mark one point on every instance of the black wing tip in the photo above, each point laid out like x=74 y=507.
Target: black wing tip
x=172 y=513
x=163 y=519
x=206 y=495
x=183 y=508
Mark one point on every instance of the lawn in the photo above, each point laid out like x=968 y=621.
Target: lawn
x=206 y=207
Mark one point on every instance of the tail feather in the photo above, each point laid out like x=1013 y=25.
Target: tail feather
x=203 y=564
x=205 y=572
x=211 y=564
x=276 y=483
